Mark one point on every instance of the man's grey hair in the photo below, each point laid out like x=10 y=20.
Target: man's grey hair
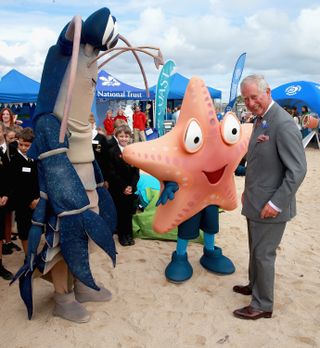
x=259 y=80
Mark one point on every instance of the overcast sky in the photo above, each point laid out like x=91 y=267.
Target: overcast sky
x=203 y=37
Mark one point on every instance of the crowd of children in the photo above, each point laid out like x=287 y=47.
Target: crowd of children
x=19 y=191
x=19 y=188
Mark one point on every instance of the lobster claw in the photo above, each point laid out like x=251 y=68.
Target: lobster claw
x=74 y=233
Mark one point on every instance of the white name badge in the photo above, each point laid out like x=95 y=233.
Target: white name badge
x=26 y=170
x=95 y=142
x=149 y=131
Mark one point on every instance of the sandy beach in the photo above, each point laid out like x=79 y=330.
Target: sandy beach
x=147 y=311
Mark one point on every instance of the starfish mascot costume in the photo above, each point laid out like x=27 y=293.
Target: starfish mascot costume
x=195 y=164
x=74 y=206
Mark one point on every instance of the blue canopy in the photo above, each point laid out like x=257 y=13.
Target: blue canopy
x=18 y=88
x=110 y=88
x=297 y=94
x=178 y=85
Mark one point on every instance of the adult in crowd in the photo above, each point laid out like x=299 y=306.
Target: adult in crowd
x=276 y=166
x=139 y=125
x=121 y=116
x=169 y=113
x=109 y=124
x=175 y=115
x=7 y=117
x=304 y=110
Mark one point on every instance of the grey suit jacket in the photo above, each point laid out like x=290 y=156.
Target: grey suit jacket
x=275 y=167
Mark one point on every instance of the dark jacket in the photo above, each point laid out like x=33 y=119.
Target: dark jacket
x=24 y=176
x=5 y=182
x=121 y=174
x=100 y=149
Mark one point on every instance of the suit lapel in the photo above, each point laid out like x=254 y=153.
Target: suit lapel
x=263 y=127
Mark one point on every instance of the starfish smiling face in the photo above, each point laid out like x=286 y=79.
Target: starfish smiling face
x=200 y=154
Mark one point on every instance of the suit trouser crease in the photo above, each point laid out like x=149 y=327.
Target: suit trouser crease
x=264 y=238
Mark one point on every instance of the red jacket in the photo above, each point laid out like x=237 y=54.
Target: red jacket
x=139 y=120
x=108 y=125
x=121 y=117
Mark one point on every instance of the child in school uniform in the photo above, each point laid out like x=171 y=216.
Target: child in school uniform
x=12 y=149
x=100 y=149
x=25 y=191
x=123 y=179
x=5 y=185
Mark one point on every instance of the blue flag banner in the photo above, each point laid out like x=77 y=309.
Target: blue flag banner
x=162 y=94
x=237 y=72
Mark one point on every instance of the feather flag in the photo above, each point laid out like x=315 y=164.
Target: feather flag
x=237 y=72
x=162 y=93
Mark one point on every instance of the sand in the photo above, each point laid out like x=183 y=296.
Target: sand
x=147 y=311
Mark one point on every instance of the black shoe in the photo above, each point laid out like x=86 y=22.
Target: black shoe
x=5 y=274
x=242 y=289
x=124 y=241
x=131 y=240
x=14 y=236
x=12 y=246
x=6 y=250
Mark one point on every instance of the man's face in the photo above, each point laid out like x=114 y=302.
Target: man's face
x=23 y=146
x=256 y=101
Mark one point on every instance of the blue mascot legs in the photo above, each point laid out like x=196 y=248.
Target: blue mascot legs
x=179 y=269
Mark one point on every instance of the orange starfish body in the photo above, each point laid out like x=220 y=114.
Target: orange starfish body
x=200 y=154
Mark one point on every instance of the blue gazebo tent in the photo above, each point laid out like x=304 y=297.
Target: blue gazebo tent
x=18 y=88
x=20 y=93
x=111 y=91
x=298 y=93
x=109 y=87
x=178 y=85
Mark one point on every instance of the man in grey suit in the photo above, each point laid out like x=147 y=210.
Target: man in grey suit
x=276 y=166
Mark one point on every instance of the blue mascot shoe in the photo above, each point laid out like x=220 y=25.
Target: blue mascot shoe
x=214 y=261
x=179 y=269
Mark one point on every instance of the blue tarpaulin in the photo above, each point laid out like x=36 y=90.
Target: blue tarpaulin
x=297 y=94
x=18 y=88
x=178 y=85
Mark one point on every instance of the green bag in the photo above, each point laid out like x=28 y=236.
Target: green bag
x=142 y=221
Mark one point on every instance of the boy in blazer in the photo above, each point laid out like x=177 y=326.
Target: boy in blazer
x=123 y=179
x=25 y=193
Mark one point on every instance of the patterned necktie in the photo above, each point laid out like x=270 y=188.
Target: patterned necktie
x=258 y=122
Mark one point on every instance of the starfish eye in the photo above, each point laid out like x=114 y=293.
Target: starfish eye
x=230 y=128
x=193 y=137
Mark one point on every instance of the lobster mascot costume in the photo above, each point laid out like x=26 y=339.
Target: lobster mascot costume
x=74 y=208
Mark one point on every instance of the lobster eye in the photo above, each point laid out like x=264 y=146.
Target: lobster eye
x=193 y=137
x=230 y=128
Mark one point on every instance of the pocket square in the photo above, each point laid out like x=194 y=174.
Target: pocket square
x=262 y=137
